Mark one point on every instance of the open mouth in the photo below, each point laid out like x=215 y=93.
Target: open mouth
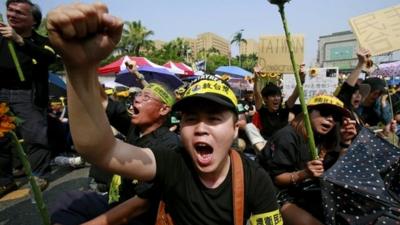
x=326 y=126
x=204 y=153
x=135 y=110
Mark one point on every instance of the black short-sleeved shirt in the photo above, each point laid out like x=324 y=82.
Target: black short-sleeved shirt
x=289 y=152
x=190 y=202
x=272 y=121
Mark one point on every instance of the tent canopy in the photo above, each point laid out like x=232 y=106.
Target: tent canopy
x=179 y=68
x=119 y=65
x=233 y=71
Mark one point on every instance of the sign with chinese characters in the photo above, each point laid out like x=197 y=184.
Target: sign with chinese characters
x=378 y=31
x=318 y=81
x=274 y=53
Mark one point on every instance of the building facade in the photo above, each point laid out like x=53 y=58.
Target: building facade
x=206 y=41
x=340 y=50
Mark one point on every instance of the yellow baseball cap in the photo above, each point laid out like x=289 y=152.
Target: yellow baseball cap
x=328 y=101
x=211 y=88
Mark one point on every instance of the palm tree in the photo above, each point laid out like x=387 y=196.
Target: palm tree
x=135 y=37
x=238 y=38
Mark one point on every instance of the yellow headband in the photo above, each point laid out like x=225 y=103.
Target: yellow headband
x=211 y=86
x=163 y=94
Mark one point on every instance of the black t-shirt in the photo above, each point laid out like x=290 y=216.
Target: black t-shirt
x=190 y=202
x=272 y=121
x=290 y=152
x=369 y=116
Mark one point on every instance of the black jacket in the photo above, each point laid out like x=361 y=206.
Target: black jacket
x=34 y=57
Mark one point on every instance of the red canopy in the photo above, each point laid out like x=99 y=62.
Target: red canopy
x=118 y=65
x=179 y=68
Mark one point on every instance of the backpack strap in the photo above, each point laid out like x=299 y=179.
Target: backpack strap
x=163 y=218
x=237 y=187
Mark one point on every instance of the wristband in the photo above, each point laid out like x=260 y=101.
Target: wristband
x=294 y=177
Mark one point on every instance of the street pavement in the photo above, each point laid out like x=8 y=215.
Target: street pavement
x=16 y=208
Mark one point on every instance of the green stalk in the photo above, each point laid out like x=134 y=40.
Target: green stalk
x=14 y=56
x=34 y=187
x=310 y=135
x=391 y=108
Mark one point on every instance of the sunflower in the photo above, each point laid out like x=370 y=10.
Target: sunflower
x=7 y=120
x=4 y=108
x=278 y=2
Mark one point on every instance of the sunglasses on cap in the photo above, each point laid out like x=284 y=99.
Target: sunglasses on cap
x=326 y=112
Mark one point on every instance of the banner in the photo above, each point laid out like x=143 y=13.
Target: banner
x=378 y=31
x=274 y=53
x=318 y=81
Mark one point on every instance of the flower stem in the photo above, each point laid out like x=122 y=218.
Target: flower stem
x=310 y=135
x=34 y=187
x=14 y=56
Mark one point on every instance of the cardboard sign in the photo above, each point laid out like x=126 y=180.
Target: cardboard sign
x=378 y=31
x=324 y=81
x=274 y=53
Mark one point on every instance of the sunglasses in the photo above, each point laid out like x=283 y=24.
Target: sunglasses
x=325 y=112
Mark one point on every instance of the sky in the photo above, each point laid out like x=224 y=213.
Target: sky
x=188 y=18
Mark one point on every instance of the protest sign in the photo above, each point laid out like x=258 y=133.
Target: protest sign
x=378 y=31
x=274 y=53
x=322 y=81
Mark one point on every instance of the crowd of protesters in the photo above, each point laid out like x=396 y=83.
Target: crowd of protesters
x=142 y=162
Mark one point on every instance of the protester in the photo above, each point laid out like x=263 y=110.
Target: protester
x=287 y=158
x=145 y=128
x=375 y=108
x=195 y=182
x=271 y=114
x=27 y=98
x=352 y=92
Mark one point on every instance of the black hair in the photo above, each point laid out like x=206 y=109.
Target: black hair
x=35 y=10
x=271 y=89
x=37 y=15
x=8 y=2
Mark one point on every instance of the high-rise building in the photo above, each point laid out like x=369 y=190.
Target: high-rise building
x=251 y=47
x=209 y=40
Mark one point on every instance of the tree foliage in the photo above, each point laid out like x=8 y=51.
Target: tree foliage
x=135 y=38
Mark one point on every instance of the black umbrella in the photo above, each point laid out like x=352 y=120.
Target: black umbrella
x=361 y=187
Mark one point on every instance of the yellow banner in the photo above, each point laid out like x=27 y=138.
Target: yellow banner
x=274 y=53
x=378 y=31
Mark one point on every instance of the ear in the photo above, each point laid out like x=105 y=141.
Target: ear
x=164 y=110
x=236 y=127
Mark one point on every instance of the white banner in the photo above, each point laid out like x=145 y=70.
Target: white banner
x=323 y=81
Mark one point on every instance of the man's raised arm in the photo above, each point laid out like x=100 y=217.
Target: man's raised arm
x=84 y=34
